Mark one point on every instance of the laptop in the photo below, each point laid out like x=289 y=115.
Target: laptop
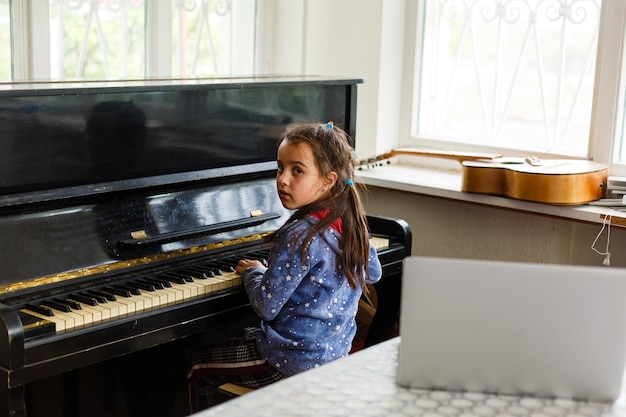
x=513 y=328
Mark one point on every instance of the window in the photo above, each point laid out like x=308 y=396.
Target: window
x=520 y=77
x=213 y=37
x=5 y=41
x=96 y=40
x=129 y=39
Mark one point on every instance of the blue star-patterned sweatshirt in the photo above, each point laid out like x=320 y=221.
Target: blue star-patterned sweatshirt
x=307 y=309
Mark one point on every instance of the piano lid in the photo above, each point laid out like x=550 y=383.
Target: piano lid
x=60 y=140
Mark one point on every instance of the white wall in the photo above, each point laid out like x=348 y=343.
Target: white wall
x=338 y=45
x=455 y=229
x=345 y=39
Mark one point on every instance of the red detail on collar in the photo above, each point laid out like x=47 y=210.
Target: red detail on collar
x=337 y=224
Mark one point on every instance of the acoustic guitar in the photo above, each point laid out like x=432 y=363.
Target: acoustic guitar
x=552 y=181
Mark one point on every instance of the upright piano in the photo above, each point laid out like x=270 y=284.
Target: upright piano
x=124 y=207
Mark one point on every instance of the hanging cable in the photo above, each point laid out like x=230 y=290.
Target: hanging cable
x=606 y=224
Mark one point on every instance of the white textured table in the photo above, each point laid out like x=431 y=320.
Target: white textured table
x=363 y=384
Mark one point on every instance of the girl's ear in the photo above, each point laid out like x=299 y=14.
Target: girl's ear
x=330 y=180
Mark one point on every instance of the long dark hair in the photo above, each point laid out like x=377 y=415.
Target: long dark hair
x=333 y=151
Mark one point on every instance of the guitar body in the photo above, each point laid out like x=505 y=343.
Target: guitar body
x=555 y=181
x=551 y=181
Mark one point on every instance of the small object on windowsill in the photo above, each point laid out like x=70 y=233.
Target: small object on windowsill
x=533 y=160
x=372 y=163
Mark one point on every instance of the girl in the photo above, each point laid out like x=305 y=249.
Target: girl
x=321 y=259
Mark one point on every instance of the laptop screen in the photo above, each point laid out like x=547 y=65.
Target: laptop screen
x=514 y=328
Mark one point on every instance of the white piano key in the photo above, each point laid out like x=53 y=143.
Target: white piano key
x=186 y=291
x=59 y=322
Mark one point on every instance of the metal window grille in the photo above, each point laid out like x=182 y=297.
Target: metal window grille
x=509 y=73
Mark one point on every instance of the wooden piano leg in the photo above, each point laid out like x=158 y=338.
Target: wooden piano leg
x=12 y=402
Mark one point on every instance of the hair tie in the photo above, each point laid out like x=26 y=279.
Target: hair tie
x=329 y=125
x=349 y=181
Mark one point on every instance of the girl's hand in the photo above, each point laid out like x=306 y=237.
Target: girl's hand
x=247 y=263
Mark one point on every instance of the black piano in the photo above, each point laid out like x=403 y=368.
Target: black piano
x=124 y=207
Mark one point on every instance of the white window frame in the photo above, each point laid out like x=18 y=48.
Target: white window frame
x=607 y=106
x=31 y=51
x=607 y=110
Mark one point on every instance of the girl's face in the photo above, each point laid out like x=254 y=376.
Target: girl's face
x=298 y=180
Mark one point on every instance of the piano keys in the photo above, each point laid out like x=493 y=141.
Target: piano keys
x=124 y=207
x=84 y=308
x=101 y=304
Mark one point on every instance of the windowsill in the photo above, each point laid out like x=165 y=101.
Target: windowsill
x=446 y=183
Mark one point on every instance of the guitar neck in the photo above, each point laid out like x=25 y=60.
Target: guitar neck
x=455 y=155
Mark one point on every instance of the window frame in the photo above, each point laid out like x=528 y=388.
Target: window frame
x=607 y=106
x=31 y=50
x=608 y=103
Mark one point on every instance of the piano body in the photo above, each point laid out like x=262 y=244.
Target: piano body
x=123 y=206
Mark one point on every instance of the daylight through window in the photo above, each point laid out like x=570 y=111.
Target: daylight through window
x=509 y=74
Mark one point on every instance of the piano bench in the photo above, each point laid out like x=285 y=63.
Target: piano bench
x=233 y=390
x=365 y=314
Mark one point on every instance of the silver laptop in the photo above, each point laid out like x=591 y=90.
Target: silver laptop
x=513 y=328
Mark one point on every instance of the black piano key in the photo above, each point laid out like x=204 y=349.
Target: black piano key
x=118 y=291
x=203 y=268
x=57 y=306
x=187 y=273
x=211 y=268
x=226 y=267
x=201 y=275
x=102 y=297
x=131 y=290
x=85 y=299
x=163 y=283
x=181 y=274
x=40 y=309
x=199 y=272
x=141 y=286
x=71 y=304
x=174 y=278
x=155 y=284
